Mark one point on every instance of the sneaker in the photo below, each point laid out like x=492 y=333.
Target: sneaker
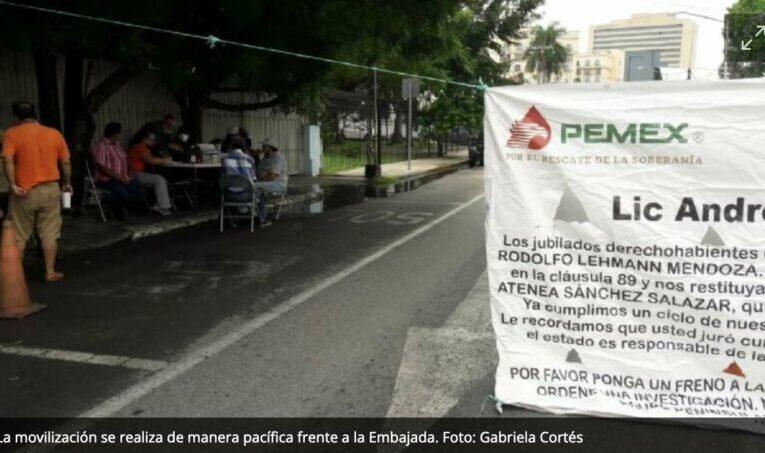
x=265 y=224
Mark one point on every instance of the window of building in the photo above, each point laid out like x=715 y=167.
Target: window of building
x=587 y=63
x=517 y=68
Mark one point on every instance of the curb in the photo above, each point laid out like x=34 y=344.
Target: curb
x=414 y=181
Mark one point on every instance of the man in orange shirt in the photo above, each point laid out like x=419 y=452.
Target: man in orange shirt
x=31 y=153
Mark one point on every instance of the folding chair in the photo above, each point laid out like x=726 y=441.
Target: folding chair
x=282 y=196
x=93 y=194
x=182 y=189
x=237 y=182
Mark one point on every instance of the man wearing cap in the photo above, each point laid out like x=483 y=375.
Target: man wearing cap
x=31 y=156
x=272 y=177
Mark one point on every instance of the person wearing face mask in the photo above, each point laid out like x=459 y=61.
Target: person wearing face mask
x=182 y=149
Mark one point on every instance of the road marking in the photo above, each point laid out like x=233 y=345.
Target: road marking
x=447 y=203
x=439 y=366
x=195 y=357
x=83 y=357
x=404 y=218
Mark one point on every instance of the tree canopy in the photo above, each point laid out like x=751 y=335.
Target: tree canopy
x=545 y=54
x=442 y=38
x=741 y=26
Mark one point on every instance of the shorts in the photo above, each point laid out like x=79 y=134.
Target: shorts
x=40 y=208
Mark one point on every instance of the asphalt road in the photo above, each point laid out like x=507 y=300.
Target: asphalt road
x=307 y=318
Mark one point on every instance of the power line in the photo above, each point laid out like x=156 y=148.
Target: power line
x=700 y=15
x=213 y=41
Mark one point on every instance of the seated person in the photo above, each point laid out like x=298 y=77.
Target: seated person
x=112 y=172
x=164 y=136
x=236 y=162
x=272 y=177
x=247 y=140
x=139 y=158
x=227 y=144
x=182 y=149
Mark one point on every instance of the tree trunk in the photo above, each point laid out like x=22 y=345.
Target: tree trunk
x=49 y=107
x=398 y=136
x=340 y=129
x=79 y=125
x=192 y=114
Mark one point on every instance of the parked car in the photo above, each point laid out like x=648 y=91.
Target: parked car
x=475 y=151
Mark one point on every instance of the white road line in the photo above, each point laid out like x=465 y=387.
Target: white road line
x=83 y=357
x=197 y=356
x=415 y=203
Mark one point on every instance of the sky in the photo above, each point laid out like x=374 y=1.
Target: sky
x=581 y=14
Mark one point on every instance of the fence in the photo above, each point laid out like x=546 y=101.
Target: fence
x=349 y=134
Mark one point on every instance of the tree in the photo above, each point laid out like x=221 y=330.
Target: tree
x=441 y=38
x=477 y=33
x=77 y=42
x=741 y=25
x=545 y=54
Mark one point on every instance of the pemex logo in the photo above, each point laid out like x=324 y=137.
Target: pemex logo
x=532 y=132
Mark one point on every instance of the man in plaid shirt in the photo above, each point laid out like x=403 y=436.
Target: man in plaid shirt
x=112 y=171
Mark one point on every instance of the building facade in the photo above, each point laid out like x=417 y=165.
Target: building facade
x=672 y=38
x=600 y=66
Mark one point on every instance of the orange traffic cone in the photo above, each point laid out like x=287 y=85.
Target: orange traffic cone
x=14 y=294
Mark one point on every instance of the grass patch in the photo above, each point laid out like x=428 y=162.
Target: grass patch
x=385 y=181
x=352 y=154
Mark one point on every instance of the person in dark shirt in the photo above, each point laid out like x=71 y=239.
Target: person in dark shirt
x=227 y=144
x=183 y=143
x=165 y=136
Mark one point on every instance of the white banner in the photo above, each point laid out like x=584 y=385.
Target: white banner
x=626 y=247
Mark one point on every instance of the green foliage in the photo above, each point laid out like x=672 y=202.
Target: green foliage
x=546 y=55
x=441 y=38
x=478 y=29
x=742 y=25
x=747 y=7
x=21 y=28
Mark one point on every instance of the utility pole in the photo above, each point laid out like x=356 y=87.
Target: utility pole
x=409 y=131
x=378 y=144
x=410 y=88
x=373 y=169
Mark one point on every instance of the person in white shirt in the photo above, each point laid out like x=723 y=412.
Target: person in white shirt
x=272 y=177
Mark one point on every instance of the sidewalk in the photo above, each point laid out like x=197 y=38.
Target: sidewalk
x=420 y=167
x=89 y=232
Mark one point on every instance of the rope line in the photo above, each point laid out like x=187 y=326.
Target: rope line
x=213 y=41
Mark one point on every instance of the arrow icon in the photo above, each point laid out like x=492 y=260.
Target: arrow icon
x=760 y=30
x=745 y=46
